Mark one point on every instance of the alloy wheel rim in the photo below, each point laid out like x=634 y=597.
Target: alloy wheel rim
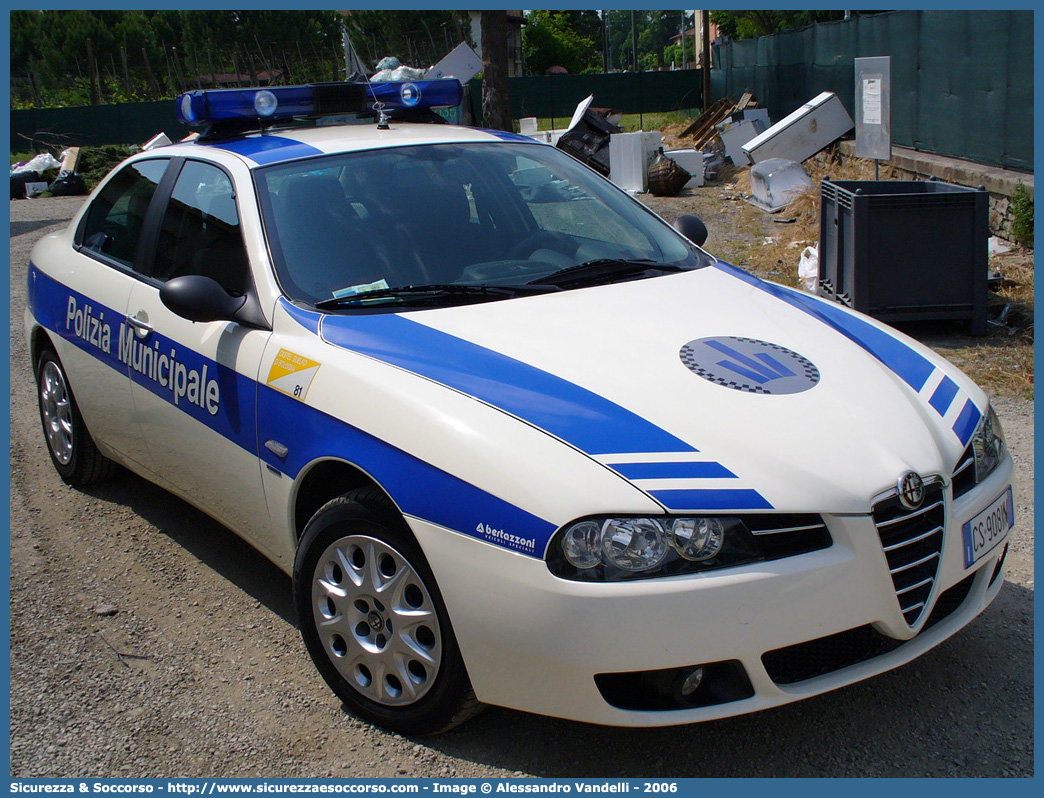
x=57 y=412
x=376 y=620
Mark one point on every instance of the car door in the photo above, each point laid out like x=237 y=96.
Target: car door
x=194 y=383
x=83 y=300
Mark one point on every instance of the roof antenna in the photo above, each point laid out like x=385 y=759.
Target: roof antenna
x=382 y=116
x=352 y=58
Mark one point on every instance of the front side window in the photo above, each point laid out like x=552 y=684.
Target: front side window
x=200 y=231
x=468 y=218
x=117 y=215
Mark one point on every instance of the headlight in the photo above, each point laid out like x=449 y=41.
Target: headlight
x=618 y=549
x=614 y=549
x=697 y=539
x=988 y=445
x=582 y=544
x=634 y=544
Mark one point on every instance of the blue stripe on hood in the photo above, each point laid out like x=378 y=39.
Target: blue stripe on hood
x=911 y=367
x=590 y=422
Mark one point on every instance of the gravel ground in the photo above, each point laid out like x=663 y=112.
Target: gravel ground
x=147 y=640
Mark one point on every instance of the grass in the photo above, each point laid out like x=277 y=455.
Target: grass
x=632 y=123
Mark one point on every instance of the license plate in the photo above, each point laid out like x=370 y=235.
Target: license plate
x=986 y=530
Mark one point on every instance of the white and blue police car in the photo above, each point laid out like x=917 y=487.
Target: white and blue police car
x=518 y=440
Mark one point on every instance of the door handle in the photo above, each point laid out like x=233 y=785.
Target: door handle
x=141 y=326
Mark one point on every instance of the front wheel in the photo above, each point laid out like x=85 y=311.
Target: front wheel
x=373 y=620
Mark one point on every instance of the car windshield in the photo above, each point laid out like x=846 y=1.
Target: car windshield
x=462 y=222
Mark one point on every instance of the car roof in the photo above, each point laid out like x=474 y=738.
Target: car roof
x=289 y=144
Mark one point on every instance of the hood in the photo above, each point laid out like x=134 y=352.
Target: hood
x=708 y=390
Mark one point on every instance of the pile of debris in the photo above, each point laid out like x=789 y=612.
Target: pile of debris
x=704 y=130
x=47 y=173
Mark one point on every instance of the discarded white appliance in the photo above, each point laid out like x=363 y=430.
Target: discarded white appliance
x=776 y=183
x=461 y=63
x=740 y=128
x=629 y=157
x=805 y=132
x=691 y=161
x=159 y=140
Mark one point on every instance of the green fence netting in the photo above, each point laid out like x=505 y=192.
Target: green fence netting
x=962 y=85
x=962 y=81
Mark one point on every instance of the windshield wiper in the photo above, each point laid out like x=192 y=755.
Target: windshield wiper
x=594 y=271
x=436 y=292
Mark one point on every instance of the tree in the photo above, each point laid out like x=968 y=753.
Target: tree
x=654 y=33
x=49 y=51
x=551 y=38
x=751 y=24
x=416 y=38
x=654 y=29
x=496 y=105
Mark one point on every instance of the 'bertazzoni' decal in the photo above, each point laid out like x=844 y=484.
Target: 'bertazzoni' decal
x=506 y=539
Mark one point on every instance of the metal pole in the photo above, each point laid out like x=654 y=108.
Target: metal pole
x=683 y=40
x=637 y=68
x=705 y=36
x=634 y=42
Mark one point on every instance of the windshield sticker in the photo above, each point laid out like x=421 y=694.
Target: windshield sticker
x=352 y=290
x=292 y=373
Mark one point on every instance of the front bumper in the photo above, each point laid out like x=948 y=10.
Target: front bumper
x=534 y=642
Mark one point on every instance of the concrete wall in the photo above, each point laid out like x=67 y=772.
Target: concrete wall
x=1000 y=183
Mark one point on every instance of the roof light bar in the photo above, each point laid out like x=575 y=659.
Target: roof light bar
x=229 y=106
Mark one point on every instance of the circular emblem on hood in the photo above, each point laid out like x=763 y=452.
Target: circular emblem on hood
x=749 y=365
x=911 y=490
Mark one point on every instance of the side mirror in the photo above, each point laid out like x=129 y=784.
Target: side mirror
x=198 y=298
x=692 y=228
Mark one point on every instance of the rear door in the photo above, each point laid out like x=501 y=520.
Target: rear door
x=83 y=301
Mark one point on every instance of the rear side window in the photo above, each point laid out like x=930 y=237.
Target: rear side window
x=115 y=219
x=200 y=232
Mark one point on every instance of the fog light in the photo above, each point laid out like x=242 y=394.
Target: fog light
x=692 y=682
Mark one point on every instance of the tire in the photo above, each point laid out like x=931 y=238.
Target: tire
x=373 y=620
x=72 y=449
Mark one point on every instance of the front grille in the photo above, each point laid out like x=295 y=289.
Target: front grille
x=779 y=535
x=912 y=541
x=825 y=655
x=964 y=473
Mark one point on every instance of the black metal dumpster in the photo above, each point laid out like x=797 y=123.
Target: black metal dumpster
x=905 y=250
